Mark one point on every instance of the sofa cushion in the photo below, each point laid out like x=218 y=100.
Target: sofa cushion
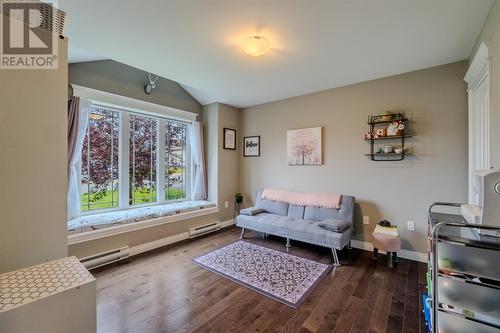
x=320 y=214
x=311 y=232
x=265 y=222
x=296 y=211
x=334 y=225
x=251 y=211
x=273 y=207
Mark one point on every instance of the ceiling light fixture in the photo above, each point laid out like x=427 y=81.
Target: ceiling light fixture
x=255 y=45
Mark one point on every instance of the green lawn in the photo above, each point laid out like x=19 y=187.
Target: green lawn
x=140 y=197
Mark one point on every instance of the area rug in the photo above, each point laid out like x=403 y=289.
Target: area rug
x=281 y=276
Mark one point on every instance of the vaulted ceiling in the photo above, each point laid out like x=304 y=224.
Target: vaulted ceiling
x=316 y=44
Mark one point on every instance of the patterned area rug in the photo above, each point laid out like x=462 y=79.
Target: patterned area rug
x=281 y=276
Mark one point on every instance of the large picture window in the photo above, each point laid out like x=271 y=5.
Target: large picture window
x=152 y=168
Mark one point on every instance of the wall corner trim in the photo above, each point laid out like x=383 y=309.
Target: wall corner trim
x=478 y=66
x=406 y=254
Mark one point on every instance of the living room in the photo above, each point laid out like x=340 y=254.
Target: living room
x=304 y=166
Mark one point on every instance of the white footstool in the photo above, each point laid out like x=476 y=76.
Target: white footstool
x=390 y=244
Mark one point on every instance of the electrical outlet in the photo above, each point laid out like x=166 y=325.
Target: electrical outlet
x=366 y=219
x=226 y=204
x=410 y=225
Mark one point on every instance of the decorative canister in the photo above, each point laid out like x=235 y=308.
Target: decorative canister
x=387 y=149
x=386 y=115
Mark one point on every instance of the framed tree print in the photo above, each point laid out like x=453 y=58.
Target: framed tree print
x=229 y=139
x=304 y=146
x=251 y=146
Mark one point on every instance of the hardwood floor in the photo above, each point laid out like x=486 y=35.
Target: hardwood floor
x=165 y=292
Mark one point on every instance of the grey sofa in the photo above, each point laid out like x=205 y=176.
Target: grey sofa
x=301 y=223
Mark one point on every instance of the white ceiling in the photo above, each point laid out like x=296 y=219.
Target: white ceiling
x=317 y=44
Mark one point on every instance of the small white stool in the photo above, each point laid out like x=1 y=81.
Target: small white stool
x=390 y=244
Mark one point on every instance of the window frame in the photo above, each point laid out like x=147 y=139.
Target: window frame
x=126 y=106
x=79 y=164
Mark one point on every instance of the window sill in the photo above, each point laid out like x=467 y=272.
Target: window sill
x=90 y=227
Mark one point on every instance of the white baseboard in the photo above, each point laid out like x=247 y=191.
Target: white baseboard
x=406 y=254
x=135 y=250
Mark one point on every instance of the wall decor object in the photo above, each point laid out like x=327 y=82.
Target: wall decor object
x=251 y=146
x=386 y=127
x=388 y=149
x=229 y=139
x=395 y=128
x=380 y=133
x=304 y=146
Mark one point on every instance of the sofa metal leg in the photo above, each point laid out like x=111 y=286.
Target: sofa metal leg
x=288 y=245
x=389 y=259
x=349 y=245
x=336 y=261
x=242 y=235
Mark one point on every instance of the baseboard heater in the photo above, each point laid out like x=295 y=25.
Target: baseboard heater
x=204 y=229
x=105 y=258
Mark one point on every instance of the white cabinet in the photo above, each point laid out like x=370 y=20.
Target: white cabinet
x=57 y=296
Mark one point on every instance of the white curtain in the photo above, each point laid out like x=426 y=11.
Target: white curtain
x=199 y=183
x=74 y=188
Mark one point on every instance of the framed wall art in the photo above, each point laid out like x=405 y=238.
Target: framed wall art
x=229 y=139
x=251 y=146
x=304 y=146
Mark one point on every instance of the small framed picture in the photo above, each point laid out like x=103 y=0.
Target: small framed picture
x=251 y=146
x=229 y=139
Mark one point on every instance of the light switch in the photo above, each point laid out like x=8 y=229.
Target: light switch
x=366 y=220
x=226 y=204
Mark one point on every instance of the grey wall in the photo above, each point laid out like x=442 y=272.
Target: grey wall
x=33 y=147
x=490 y=35
x=117 y=78
x=436 y=102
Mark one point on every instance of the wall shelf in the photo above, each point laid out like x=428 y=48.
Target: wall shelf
x=374 y=123
x=396 y=117
x=388 y=154
x=391 y=137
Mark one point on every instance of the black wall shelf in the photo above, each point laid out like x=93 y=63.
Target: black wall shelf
x=391 y=137
x=373 y=123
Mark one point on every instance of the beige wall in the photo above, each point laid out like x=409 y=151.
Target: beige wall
x=33 y=136
x=138 y=237
x=434 y=99
x=117 y=78
x=223 y=165
x=222 y=170
x=490 y=36
x=229 y=160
